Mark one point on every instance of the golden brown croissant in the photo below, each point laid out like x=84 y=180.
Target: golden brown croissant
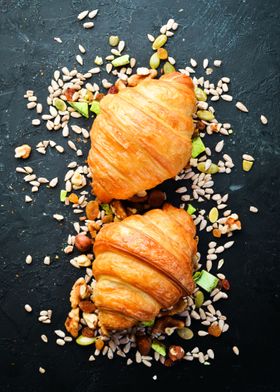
x=142 y=136
x=143 y=264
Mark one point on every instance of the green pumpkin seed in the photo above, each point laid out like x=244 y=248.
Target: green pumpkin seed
x=212 y=169
x=154 y=61
x=205 y=115
x=159 y=41
x=200 y=94
x=114 y=40
x=84 y=340
x=60 y=104
x=199 y=299
x=185 y=333
x=159 y=347
x=120 y=61
x=168 y=68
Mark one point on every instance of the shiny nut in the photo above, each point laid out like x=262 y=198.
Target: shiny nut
x=176 y=353
x=82 y=242
x=23 y=151
x=166 y=322
x=143 y=344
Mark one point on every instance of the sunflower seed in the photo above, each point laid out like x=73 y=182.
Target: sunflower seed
x=205 y=63
x=88 y=25
x=36 y=122
x=28 y=259
x=202 y=333
x=248 y=157
x=31 y=105
x=263 y=119
x=28 y=308
x=60 y=342
x=58 y=217
x=217 y=63
x=226 y=97
x=27 y=199
x=219 y=146
x=47 y=260
x=59 y=148
x=253 y=209
x=241 y=107
x=92 y=14
x=228 y=244
x=59 y=333
x=82 y=49
x=79 y=59
x=235 y=349
x=53 y=182
x=42 y=370
x=44 y=338
x=151 y=38
x=82 y=15
x=72 y=145
x=32 y=99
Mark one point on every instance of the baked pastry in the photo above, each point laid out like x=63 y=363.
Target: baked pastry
x=143 y=264
x=142 y=136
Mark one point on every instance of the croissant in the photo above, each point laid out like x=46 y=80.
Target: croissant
x=142 y=136
x=143 y=264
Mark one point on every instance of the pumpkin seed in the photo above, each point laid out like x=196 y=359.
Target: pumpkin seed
x=84 y=340
x=60 y=104
x=159 y=41
x=200 y=94
x=247 y=165
x=154 y=61
x=205 y=115
x=213 y=215
x=114 y=40
x=185 y=333
x=162 y=53
x=168 y=68
x=211 y=170
x=120 y=61
x=199 y=299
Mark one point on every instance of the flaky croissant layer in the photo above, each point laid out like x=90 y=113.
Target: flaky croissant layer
x=143 y=264
x=142 y=136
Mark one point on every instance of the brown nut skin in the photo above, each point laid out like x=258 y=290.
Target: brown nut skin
x=82 y=242
x=164 y=322
x=144 y=343
x=156 y=198
x=176 y=353
x=168 y=362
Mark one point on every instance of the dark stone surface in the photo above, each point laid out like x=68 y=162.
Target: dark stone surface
x=245 y=34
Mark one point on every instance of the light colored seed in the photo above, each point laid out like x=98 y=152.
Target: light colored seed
x=32 y=99
x=217 y=296
x=121 y=46
x=31 y=105
x=208 y=265
x=202 y=333
x=88 y=25
x=39 y=108
x=28 y=308
x=65 y=131
x=263 y=119
x=175 y=26
x=36 y=122
x=58 y=217
x=228 y=244
x=220 y=249
x=72 y=145
x=248 y=157
x=219 y=146
x=79 y=59
x=210 y=353
x=241 y=107
x=213 y=215
x=151 y=38
x=53 y=182
x=82 y=15
x=27 y=199
x=163 y=29
x=44 y=338
x=59 y=333
x=205 y=63
x=42 y=370
x=68 y=339
x=171 y=60
x=28 y=259
x=60 y=149
x=226 y=97
x=253 y=209
x=182 y=189
x=193 y=62
x=235 y=349
x=109 y=67
x=217 y=63
x=47 y=260
x=60 y=342
x=93 y=14
x=221 y=276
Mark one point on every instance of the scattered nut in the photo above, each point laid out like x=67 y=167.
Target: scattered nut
x=82 y=242
x=176 y=353
x=83 y=261
x=90 y=319
x=75 y=295
x=23 y=151
x=87 y=306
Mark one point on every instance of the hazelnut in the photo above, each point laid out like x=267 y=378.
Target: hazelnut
x=23 y=151
x=156 y=198
x=143 y=344
x=82 y=242
x=176 y=353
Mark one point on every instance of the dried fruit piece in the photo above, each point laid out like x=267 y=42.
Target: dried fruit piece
x=247 y=165
x=168 y=68
x=176 y=353
x=23 y=151
x=217 y=233
x=213 y=215
x=92 y=209
x=88 y=332
x=185 y=333
x=69 y=94
x=73 y=198
x=113 y=90
x=82 y=242
x=99 y=344
x=214 y=330
x=144 y=343
x=156 y=198
x=162 y=53
x=159 y=41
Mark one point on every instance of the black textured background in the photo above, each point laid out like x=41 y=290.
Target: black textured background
x=245 y=35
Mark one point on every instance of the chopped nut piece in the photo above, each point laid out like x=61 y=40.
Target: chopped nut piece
x=90 y=319
x=87 y=306
x=176 y=353
x=83 y=261
x=164 y=322
x=118 y=209
x=23 y=151
x=72 y=322
x=88 y=332
x=75 y=296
